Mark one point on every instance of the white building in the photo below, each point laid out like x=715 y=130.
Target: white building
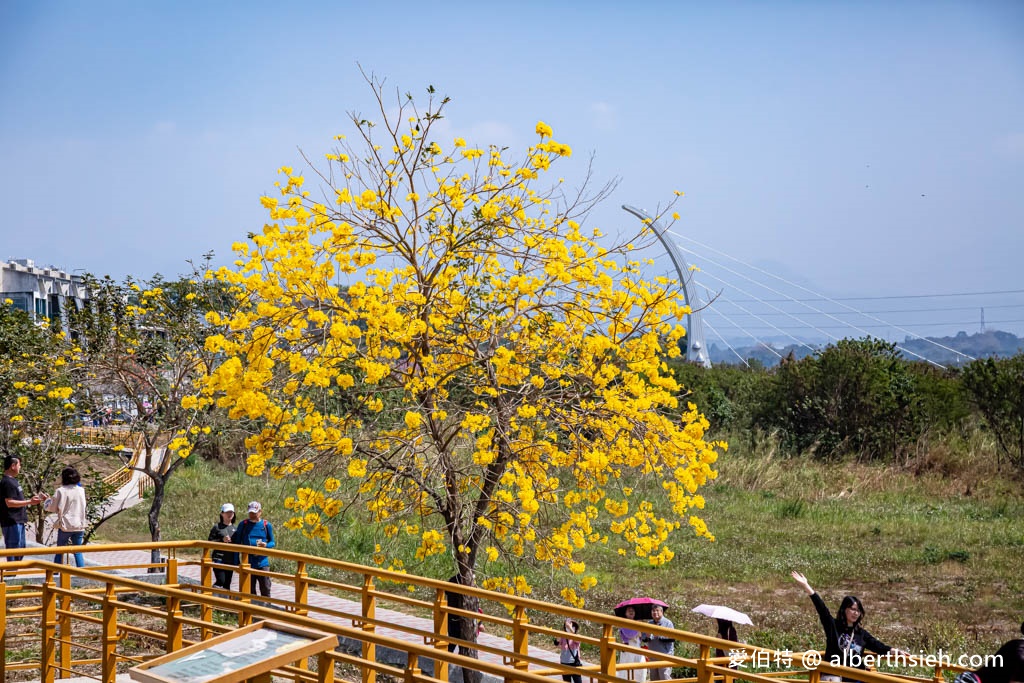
x=42 y=291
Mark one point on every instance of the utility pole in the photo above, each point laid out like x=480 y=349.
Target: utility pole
x=983 y=320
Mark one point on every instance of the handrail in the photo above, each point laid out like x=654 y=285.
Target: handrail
x=525 y=617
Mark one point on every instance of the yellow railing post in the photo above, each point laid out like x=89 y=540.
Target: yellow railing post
x=703 y=673
x=108 y=647
x=48 y=651
x=441 y=631
x=301 y=589
x=174 y=625
x=245 y=588
x=205 y=580
x=369 y=612
x=301 y=599
x=412 y=668
x=171 y=571
x=64 y=620
x=520 y=638
x=607 y=648
x=3 y=629
x=324 y=668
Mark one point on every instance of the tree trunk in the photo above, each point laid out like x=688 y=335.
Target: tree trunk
x=469 y=626
x=154 y=518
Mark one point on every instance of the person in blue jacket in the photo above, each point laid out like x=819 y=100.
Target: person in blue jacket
x=258 y=533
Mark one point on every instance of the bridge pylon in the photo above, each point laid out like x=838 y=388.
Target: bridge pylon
x=696 y=350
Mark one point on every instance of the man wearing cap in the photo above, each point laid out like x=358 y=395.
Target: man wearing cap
x=222 y=532
x=256 y=532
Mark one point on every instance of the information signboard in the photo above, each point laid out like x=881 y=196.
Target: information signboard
x=236 y=656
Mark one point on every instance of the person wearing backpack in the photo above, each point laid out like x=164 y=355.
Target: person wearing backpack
x=258 y=533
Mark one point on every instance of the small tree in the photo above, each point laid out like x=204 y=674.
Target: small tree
x=854 y=397
x=996 y=387
x=144 y=344
x=491 y=377
x=40 y=397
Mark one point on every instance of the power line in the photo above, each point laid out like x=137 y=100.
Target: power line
x=894 y=310
x=988 y=323
x=894 y=296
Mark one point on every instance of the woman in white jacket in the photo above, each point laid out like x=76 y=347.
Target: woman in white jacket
x=69 y=504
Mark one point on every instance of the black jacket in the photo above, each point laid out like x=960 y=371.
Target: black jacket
x=217 y=534
x=841 y=640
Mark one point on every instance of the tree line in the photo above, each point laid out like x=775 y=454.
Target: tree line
x=860 y=398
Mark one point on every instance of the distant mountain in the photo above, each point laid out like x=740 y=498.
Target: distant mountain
x=957 y=350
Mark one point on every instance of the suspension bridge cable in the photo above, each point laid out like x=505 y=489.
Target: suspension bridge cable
x=734 y=352
x=775 y=327
x=850 y=308
x=882 y=325
x=916 y=310
x=814 y=327
x=821 y=297
x=709 y=296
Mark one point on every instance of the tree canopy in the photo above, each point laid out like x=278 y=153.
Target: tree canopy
x=435 y=324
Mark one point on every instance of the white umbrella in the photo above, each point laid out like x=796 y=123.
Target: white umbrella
x=721 y=612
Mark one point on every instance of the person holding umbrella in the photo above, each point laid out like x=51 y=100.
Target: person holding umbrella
x=725 y=618
x=631 y=637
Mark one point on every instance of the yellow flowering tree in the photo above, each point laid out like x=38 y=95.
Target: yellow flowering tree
x=433 y=325
x=41 y=375
x=143 y=343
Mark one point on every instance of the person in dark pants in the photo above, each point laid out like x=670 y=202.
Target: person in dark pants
x=570 y=650
x=258 y=533
x=222 y=532
x=13 y=512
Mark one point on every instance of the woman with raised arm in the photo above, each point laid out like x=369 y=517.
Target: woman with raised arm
x=845 y=639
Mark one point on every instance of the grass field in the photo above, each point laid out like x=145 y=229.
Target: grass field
x=933 y=547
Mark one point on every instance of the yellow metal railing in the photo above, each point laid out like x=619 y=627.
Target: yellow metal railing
x=80 y=618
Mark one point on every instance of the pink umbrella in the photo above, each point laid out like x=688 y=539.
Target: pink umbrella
x=642 y=607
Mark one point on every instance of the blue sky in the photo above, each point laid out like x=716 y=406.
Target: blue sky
x=859 y=148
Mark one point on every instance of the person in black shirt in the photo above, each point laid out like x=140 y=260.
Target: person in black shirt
x=845 y=639
x=13 y=513
x=222 y=532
